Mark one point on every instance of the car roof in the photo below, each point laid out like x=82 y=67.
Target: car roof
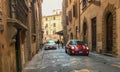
x=51 y=41
x=74 y=40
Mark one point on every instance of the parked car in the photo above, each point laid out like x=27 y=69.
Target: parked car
x=76 y=47
x=50 y=45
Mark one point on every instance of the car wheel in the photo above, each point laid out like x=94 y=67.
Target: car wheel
x=86 y=54
x=65 y=51
x=70 y=53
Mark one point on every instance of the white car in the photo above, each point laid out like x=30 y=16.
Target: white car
x=50 y=45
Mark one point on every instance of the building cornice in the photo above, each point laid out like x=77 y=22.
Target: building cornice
x=16 y=23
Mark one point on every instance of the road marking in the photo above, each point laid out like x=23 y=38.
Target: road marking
x=82 y=70
x=116 y=65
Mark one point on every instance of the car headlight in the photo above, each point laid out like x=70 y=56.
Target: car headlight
x=72 y=47
x=84 y=47
x=87 y=48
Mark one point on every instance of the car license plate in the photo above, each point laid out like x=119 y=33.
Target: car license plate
x=80 y=52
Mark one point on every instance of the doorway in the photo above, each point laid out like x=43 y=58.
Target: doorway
x=93 y=30
x=18 y=52
x=85 y=32
x=109 y=33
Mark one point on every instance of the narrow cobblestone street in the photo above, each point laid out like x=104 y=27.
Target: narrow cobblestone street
x=59 y=61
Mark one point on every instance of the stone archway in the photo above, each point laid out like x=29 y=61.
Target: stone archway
x=109 y=30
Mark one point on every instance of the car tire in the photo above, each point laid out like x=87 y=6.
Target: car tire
x=70 y=53
x=86 y=54
x=65 y=51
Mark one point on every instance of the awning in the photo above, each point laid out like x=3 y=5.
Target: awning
x=59 y=32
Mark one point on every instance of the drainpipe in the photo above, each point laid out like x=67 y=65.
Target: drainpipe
x=79 y=17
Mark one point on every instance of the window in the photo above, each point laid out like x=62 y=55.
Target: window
x=84 y=3
x=66 y=20
x=46 y=19
x=46 y=32
x=54 y=31
x=70 y=16
x=0 y=16
x=54 y=18
x=70 y=1
x=75 y=10
x=46 y=26
x=54 y=25
x=66 y=3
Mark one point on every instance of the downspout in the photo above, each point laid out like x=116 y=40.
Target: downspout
x=79 y=17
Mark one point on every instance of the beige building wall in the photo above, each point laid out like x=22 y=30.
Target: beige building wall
x=64 y=20
x=92 y=24
x=73 y=19
x=51 y=25
x=99 y=9
x=14 y=37
x=7 y=56
x=86 y=15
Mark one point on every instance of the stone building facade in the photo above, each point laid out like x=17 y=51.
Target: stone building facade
x=72 y=18
x=51 y=25
x=17 y=39
x=98 y=24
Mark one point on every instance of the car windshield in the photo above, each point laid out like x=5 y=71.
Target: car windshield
x=73 y=42
x=51 y=42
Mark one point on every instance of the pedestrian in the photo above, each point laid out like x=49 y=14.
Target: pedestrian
x=58 y=42
x=62 y=42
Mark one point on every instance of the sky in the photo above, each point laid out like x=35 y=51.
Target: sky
x=49 y=5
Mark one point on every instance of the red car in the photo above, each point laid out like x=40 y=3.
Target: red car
x=76 y=47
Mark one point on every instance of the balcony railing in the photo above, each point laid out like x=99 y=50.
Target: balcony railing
x=19 y=10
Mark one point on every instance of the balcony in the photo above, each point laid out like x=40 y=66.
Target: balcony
x=18 y=13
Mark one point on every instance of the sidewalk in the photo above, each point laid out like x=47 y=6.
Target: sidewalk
x=35 y=63
x=108 y=59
